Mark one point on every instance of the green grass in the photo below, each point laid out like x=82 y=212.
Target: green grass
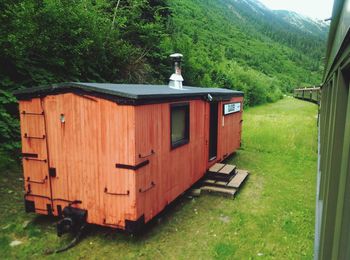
x=272 y=216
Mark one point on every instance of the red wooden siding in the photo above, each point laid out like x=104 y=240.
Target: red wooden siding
x=96 y=135
x=84 y=150
x=33 y=136
x=171 y=170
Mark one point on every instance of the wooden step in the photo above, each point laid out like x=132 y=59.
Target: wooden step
x=228 y=169
x=219 y=177
x=220 y=190
x=221 y=172
x=208 y=181
x=221 y=183
x=216 y=167
x=214 y=183
x=238 y=179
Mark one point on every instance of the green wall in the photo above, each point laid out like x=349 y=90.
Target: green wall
x=332 y=236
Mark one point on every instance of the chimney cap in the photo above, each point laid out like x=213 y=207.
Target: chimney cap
x=176 y=55
x=176 y=78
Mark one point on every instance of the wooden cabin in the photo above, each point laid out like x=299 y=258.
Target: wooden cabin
x=121 y=153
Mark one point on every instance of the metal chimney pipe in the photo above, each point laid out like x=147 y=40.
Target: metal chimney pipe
x=176 y=78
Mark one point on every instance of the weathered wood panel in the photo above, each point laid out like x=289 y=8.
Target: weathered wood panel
x=84 y=149
x=35 y=167
x=171 y=170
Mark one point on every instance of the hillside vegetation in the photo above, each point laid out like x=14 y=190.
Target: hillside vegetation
x=228 y=44
x=43 y=42
x=236 y=44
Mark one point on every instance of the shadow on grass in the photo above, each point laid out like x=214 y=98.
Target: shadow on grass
x=43 y=221
x=148 y=231
x=42 y=225
x=229 y=159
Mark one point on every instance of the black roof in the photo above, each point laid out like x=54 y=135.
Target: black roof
x=129 y=93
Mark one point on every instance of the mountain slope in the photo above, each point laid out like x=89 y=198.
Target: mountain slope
x=305 y=24
x=283 y=26
x=241 y=44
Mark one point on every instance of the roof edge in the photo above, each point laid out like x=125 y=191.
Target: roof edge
x=80 y=88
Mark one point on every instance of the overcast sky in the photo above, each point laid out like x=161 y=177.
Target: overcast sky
x=320 y=9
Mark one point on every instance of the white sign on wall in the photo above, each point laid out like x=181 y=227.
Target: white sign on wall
x=232 y=108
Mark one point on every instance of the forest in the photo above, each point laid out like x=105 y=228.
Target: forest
x=49 y=41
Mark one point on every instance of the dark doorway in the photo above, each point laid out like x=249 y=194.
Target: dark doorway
x=213 y=131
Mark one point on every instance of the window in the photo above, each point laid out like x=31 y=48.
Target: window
x=179 y=124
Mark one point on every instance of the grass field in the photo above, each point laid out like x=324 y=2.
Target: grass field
x=271 y=218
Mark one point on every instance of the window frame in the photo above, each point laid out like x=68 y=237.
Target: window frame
x=186 y=139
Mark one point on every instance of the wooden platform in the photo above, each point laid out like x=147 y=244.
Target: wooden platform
x=216 y=167
x=223 y=179
x=221 y=172
x=227 y=169
x=239 y=178
x=224 y=191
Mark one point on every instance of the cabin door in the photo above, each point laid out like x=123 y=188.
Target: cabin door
x=72 y=124
x=213 y=131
